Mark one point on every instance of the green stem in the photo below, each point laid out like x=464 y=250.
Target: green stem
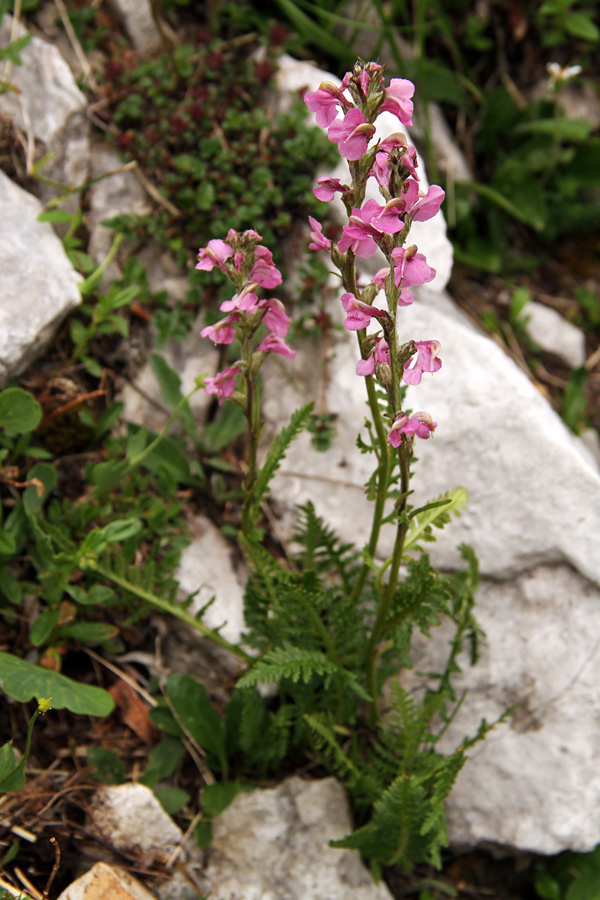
x=172 y=609
x=252 y=413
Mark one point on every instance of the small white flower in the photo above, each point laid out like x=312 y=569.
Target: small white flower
x=559 y=74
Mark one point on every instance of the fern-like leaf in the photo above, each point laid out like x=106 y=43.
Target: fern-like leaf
x=299 y=421
x=287 y=662
x=435 y=514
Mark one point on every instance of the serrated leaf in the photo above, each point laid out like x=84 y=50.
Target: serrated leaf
x=436 y=516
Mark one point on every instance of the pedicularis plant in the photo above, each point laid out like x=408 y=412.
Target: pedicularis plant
x=333 y=626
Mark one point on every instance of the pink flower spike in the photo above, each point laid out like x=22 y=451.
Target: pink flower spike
x=221 y=332
x=359 y=313
x=352 y=134
x=319 y=241
x=427 y=361
x=223 y=384
x=324 y=103
x=420 y=424
x=214 y=254
x=326 y=188
x=274 y=344
x=397 y=100
x=275 y=318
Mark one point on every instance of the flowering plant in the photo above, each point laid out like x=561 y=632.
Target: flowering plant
x=333 y=627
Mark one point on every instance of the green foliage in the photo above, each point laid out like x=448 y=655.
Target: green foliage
x=196 y=120
x=571 y=876
x=22 y=681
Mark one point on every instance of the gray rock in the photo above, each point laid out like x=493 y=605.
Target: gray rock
x=137 y=18
x=116 y=194
x=206 y=566
x=132 y=820
x=49 y=107
x=496 y=436
x=533 y=784
x=39 y=284
x=271 y=844
x=550 y=331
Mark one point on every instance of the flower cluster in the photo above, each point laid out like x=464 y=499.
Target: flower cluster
x=348 y=113
x=249 y=267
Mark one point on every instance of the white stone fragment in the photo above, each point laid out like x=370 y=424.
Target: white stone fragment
x=103 y=882
x=547 y=328
x=206 y=566
x=132 y=820
x=139 y=24
x=39 y=284
x=48 y=106
x=272 y=843
x=535 y=782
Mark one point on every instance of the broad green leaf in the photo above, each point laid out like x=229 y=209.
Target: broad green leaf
x=580 y=24
x=531 y=218
x=55 y=216
x=172 y=799
x=19 y=411
x=194 y=710
x=162 y=761
x=96 y=596
x=22 y=681
x=90 y=632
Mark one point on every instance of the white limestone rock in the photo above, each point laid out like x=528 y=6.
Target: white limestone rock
x=206 y=566
x=534 y=783
x=114 y=195
x=294 y=76
x=132 y=820
x=103 y=881
x=550 y=331
x=534 y=493
x=272 y=843
x=50 y=107
x=39 y=284
x=136 y=16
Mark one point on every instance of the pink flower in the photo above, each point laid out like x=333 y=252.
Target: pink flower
x=275 y=318
x=214 y=254
x=380 y=168
x=380 y=354
x=324 y=103
x=221 y=332
x=274 y=344
x=223 y=384
x=264 y=272
x=246 y=300
x=419 y=206
x=406 y=296
x=420 y=424
x=326 y=188
x=319 y=241
x=397 y=100
x=411 y=267
x=427 y=361
x=359 y=313
x=367 y=225
x=351 y=134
